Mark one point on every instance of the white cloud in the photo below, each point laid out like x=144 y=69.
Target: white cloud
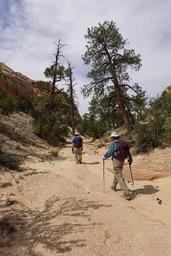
x=29 y=30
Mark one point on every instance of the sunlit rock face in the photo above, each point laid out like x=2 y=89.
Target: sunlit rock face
x=15 y=84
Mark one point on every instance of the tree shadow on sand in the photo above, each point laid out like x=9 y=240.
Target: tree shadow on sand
x=91 y=163
x=146 y=190
x=58 y=228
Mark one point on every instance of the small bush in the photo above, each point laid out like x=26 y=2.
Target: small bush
x=55 y=152
x=155 y=131
x=143 y=138
x=7 y=104
x=24 y=105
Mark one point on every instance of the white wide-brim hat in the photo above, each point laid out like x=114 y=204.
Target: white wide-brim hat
x=114 y=134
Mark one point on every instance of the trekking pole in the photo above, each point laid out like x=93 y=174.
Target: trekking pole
x=103 y=176
x=131 y=176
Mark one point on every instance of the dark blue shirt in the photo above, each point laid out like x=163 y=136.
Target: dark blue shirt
x=77 y=141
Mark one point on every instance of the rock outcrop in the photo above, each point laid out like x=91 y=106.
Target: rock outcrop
x=15 y=84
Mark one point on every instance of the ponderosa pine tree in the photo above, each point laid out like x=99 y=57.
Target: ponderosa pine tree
x=109 y=59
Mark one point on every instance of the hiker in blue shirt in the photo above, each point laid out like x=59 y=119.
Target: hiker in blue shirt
x=77 y=148
x=119 y=151
x=110 y=151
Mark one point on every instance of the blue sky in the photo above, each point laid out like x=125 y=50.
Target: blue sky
x=29 y=28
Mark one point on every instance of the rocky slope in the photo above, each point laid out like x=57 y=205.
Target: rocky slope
x=19 y=143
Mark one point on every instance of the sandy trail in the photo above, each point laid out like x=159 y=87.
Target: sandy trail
x=68 y=213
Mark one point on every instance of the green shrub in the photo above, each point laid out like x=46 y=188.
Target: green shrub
x=51 y=121
x=143 y=137
x=7 y=104
x=24 y=105
x=156 y=129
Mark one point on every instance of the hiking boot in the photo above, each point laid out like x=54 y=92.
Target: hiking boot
x=128 y=197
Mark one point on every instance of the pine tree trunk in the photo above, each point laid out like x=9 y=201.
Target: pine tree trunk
x=120 y=100
x=72 y=103
x=119 y=96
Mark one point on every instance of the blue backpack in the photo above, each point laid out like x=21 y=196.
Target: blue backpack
x=77 y=142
